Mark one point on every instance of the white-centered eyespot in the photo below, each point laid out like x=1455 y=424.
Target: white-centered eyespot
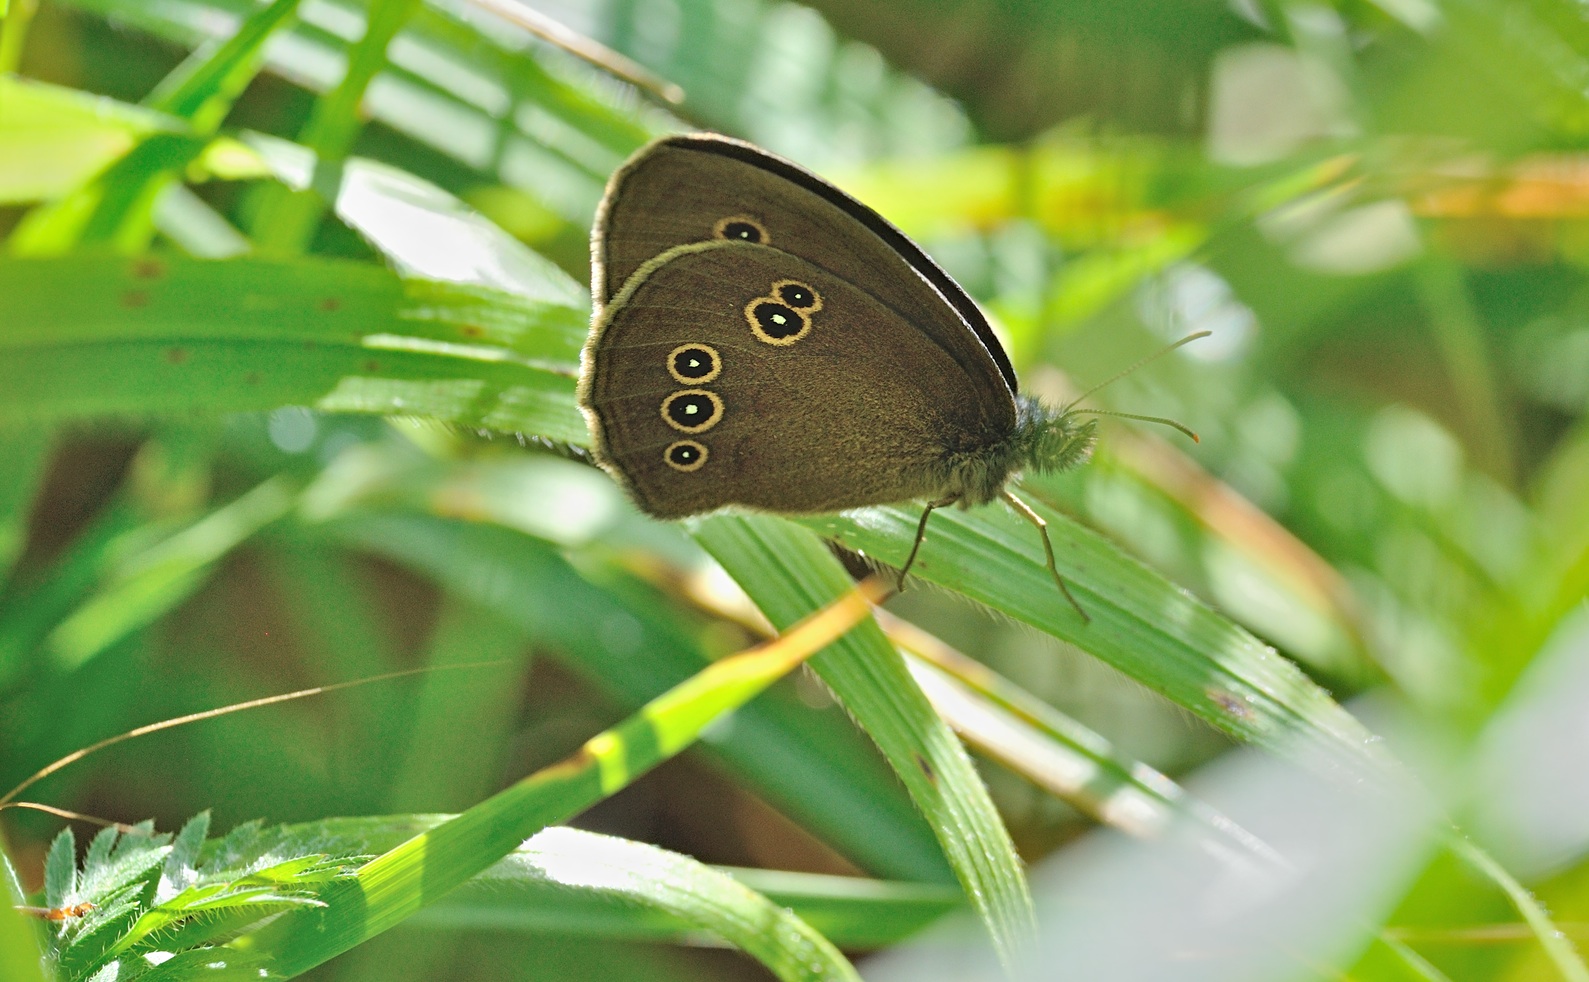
x=775 y=322
x=692 y=410
x=801 y=296
x=686 y=455
x=694 y=363
x=741 y=228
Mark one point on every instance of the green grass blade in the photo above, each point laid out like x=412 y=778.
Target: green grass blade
x=1141 y=623
x=93 y=336
x=446 y=764
x=118 y=206
x=26 y=451
x=511 y=526
x=287 y=220
x=423 y=230
x=1557 y=946
x=518 y=894
x=56 y=138
x=141 y=587
x=850 y=912
x=787 y=571
x=578 y=863
x=19 y=947
x=1069 y=760
x=400 y=882
x=203 y=89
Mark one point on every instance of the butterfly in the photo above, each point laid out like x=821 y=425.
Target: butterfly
x=762 y=339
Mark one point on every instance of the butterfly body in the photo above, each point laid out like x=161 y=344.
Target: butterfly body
x=761 y=339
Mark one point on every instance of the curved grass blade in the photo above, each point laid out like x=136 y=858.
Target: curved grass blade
x=1056 y=753
x=397 y=884
x=1557 y=946
x=574 y=862
x=787 y=571
x=1141 y=623
x=499 y=529
x=850 y=912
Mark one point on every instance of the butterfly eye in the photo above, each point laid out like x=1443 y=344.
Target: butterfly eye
x=741 y=228
x=797 y=295
x=776 y=323
x=694 y=363
x=692 y=410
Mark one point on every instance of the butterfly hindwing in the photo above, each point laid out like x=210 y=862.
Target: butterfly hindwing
x=699 y=187
x=729 y=373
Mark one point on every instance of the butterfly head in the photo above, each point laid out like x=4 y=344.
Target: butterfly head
x=1043 y=439
x=1049 y=439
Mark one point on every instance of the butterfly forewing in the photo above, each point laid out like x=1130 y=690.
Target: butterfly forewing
x=699 y=187
x=730 y=373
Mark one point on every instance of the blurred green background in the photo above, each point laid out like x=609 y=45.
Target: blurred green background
x=1377 y=208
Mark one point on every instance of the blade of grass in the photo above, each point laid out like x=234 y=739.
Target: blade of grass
x=812 y=767
x=786 y=571
x=56 y=138
x=447 y=764
x=517 y=895
x=143 y=586
x=287 y=220
x=847 y=911
x=1558 y=947
x=1071 y=762
x=1141 y=623
x=26 y=451
x=96 y=336
x=19 y=949
x=400 y=882
x=656 y=879
x=118 y=207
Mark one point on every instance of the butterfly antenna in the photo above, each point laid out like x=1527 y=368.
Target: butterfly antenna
x=1145 y=419
x=1120 y=375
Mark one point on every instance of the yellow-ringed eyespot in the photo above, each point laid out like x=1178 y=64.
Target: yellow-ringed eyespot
x=694 y=363
x=775 y=322
x=686 y=455
x=800 y=296
x=741 y=228
x=692 y=410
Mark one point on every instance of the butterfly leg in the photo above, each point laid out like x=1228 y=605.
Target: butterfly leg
x=921 y=533
x=1026 y=512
